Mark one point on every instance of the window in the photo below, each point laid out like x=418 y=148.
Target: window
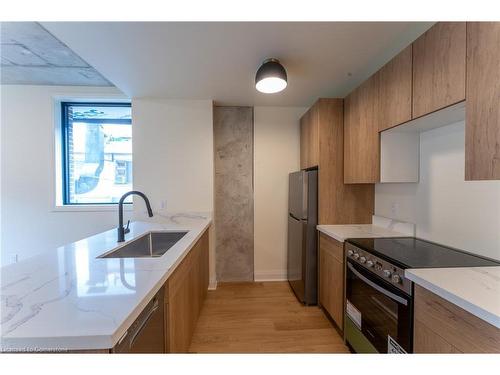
x=97 y=152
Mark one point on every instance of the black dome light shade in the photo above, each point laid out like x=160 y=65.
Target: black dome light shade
x=271 y=77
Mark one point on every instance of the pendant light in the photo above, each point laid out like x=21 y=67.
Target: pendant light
x=271 y=77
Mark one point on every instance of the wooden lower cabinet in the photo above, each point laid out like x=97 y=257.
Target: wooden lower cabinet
x=331 y=278
x=428 y=341
x=442 y=327
x=185 y=292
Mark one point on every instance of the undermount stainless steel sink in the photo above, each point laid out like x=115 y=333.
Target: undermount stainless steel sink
x=150 y=245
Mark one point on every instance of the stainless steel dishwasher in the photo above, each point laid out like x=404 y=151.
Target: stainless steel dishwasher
x=147 y=332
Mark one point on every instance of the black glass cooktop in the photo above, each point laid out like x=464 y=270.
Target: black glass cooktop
x=410 y=252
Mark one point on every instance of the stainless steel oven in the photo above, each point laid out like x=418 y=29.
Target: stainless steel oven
x=379 y=306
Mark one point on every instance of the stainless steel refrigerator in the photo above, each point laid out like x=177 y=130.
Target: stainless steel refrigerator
x=302 y=236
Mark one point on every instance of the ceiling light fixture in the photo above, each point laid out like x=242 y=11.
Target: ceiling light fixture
x=271 y=77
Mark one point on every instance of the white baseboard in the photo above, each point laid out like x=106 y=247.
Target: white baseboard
x=212 y=285
x=273 y=275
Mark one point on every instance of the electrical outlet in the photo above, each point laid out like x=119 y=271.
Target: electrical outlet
x=163 y=204
x=394 y=209
x=13 y=258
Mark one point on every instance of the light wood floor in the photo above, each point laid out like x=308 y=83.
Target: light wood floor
x=262 y=318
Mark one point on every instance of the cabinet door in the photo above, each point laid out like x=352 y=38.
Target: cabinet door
x=204 y=268
x=426 y=341
x=314 y=137
x=179 y=304
x=482 y=131
x=361 y=136
x=309 y=139
x=395 y=77
x=331 y=280
x=304 y=140
x=187 y=289
x=439 y=68
x=462 y=330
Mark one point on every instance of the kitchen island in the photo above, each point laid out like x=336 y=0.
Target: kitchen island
x=69 y=299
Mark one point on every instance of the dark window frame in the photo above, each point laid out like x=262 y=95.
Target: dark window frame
x=65 y=151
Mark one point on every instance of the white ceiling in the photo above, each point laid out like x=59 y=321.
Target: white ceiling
x=218 y=60
x=31 y=55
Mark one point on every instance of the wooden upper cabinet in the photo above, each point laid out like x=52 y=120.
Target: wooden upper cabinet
x=322 y=146
x=482 y=129
x=304 y=141
x=309 y=139
x=439 y=67
x=361 y=136
x=395 y=86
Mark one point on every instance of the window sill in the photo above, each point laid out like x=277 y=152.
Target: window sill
x=92 y=208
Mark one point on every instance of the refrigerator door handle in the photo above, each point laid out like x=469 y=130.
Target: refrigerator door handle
x=296 y=218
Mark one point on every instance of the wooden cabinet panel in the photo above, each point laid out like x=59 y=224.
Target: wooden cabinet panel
x=338 y=203
x=439 y=67
x=322 y=145
x=309 y=139
x=335 y=248
x=361 y=136
x=314 y=138
x=394 y=99
x=463 y=331
x=203 y=269
x=482 y=131
x=426 y=341
x=304 y=140
x=331 y=279
x=187 y=288
x=179 y=304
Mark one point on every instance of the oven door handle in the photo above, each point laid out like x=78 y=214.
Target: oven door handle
x=377 y=287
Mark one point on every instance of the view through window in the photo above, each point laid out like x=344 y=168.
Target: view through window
x=97 y=152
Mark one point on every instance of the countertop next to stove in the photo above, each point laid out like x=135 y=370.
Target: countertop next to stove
x=474 y=289
x=380 y=227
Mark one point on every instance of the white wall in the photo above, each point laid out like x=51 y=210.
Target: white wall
x=173 y=157
x=445 y=208
x=276 y=154
x=29 y=223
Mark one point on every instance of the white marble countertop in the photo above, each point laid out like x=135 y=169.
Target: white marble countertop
x=70 y=299
x=474 y=289
x=381 y=227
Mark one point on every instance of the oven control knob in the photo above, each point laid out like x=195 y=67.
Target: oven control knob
x=369 y=263
x=396 y=279
x=350 y=252
x=362 y=260
x=356 y=256
x=387 y=273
